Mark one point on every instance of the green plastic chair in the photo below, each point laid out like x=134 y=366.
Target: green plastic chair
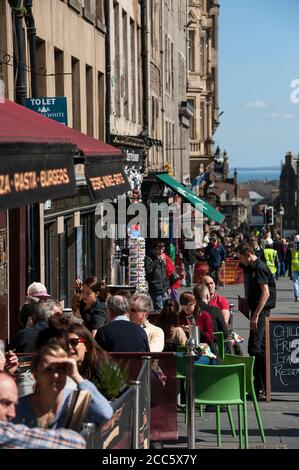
x=220 y=343
x=223 y=385
x=231 y=359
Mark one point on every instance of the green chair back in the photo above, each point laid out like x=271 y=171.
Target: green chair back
x=231 y=359
x=220 y=343
x=221 y=384
x=181 y=363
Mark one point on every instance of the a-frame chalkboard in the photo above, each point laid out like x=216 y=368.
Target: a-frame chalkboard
x=282 y=355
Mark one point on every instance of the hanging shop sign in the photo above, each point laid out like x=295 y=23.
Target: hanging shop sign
x=133 y=157
x=106 y=177
x=31 y=173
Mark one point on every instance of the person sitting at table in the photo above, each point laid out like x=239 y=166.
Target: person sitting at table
x=202 y=296
x=48 y=405
x=188 y=304
x=169 y=323
x=18 y=436
x=89 y=303
x=139 y=312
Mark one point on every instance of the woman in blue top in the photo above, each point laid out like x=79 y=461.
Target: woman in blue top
x=48 y=405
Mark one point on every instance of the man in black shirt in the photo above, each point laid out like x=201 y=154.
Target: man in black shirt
x=261 y=298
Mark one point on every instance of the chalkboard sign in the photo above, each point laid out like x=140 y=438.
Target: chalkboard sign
x=282 y=355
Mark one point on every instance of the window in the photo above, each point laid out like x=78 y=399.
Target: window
x=88 y=244
x=202 y=119
x=192 y=133
x=100 y=10
x=101 y=105
x=59 y=69
x=65 y=275
x=116 y=61
x=125 y=82
x=133 y=71
x=90 y=5
x=139 y=81
x=153 y=113
x=89 y=99
x=202 y=54
x=76 y=94
x=191 y=50
x=41 y=67
x=172 y=69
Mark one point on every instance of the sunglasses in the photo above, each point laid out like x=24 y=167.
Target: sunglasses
x=75 y=341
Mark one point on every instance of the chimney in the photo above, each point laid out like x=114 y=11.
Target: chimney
x=236 y=182
x=289 y=158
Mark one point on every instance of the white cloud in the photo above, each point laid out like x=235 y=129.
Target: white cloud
x=281 y=115
x=257 y=104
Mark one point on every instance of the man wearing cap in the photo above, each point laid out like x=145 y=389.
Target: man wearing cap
x=295 y=267
x=36 y=293
x=215 y=256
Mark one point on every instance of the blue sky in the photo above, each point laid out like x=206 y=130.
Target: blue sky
x=259 y=58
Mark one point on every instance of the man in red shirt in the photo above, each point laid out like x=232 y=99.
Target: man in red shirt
x=216 y=299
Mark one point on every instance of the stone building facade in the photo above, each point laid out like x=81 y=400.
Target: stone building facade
x=289 y=193
x=70 y=62
x=168 y=110
x=202 y=85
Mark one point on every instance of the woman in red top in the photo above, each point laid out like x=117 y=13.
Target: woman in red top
x=202 y=319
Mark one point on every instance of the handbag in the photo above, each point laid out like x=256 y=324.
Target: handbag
x=174 y=277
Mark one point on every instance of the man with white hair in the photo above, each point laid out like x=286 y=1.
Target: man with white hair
x=295 y=267
x=120 y=334
x=18 y=436
x=139 y=311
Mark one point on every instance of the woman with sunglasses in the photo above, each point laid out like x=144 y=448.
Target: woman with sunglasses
x=89 y=303
x=48 y=405
x=78 y=342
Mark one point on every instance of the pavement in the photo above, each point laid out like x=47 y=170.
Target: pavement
x=280 y=416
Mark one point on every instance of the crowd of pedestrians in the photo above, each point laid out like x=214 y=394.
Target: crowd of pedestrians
x=70 y=348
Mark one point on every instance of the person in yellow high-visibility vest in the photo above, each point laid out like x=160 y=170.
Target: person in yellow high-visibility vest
x=270 y=257
x=295 y=267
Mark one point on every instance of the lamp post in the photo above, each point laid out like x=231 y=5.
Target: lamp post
x=281 y=212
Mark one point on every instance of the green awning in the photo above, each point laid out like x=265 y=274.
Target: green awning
x=208 y=211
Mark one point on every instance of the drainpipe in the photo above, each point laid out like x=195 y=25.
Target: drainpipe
x=19 y=47
x=144 y=60
x=108 y=70
x=162 y=75
x=33 y=210
x=31 y=34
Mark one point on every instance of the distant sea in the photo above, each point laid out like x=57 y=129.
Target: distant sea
x=262 y=173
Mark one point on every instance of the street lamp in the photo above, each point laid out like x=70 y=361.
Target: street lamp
x=281 y=212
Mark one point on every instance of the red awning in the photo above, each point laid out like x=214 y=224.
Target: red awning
x=19 y=124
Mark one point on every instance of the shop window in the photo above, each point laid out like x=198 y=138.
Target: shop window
x=76 y=94
x=88 y=244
